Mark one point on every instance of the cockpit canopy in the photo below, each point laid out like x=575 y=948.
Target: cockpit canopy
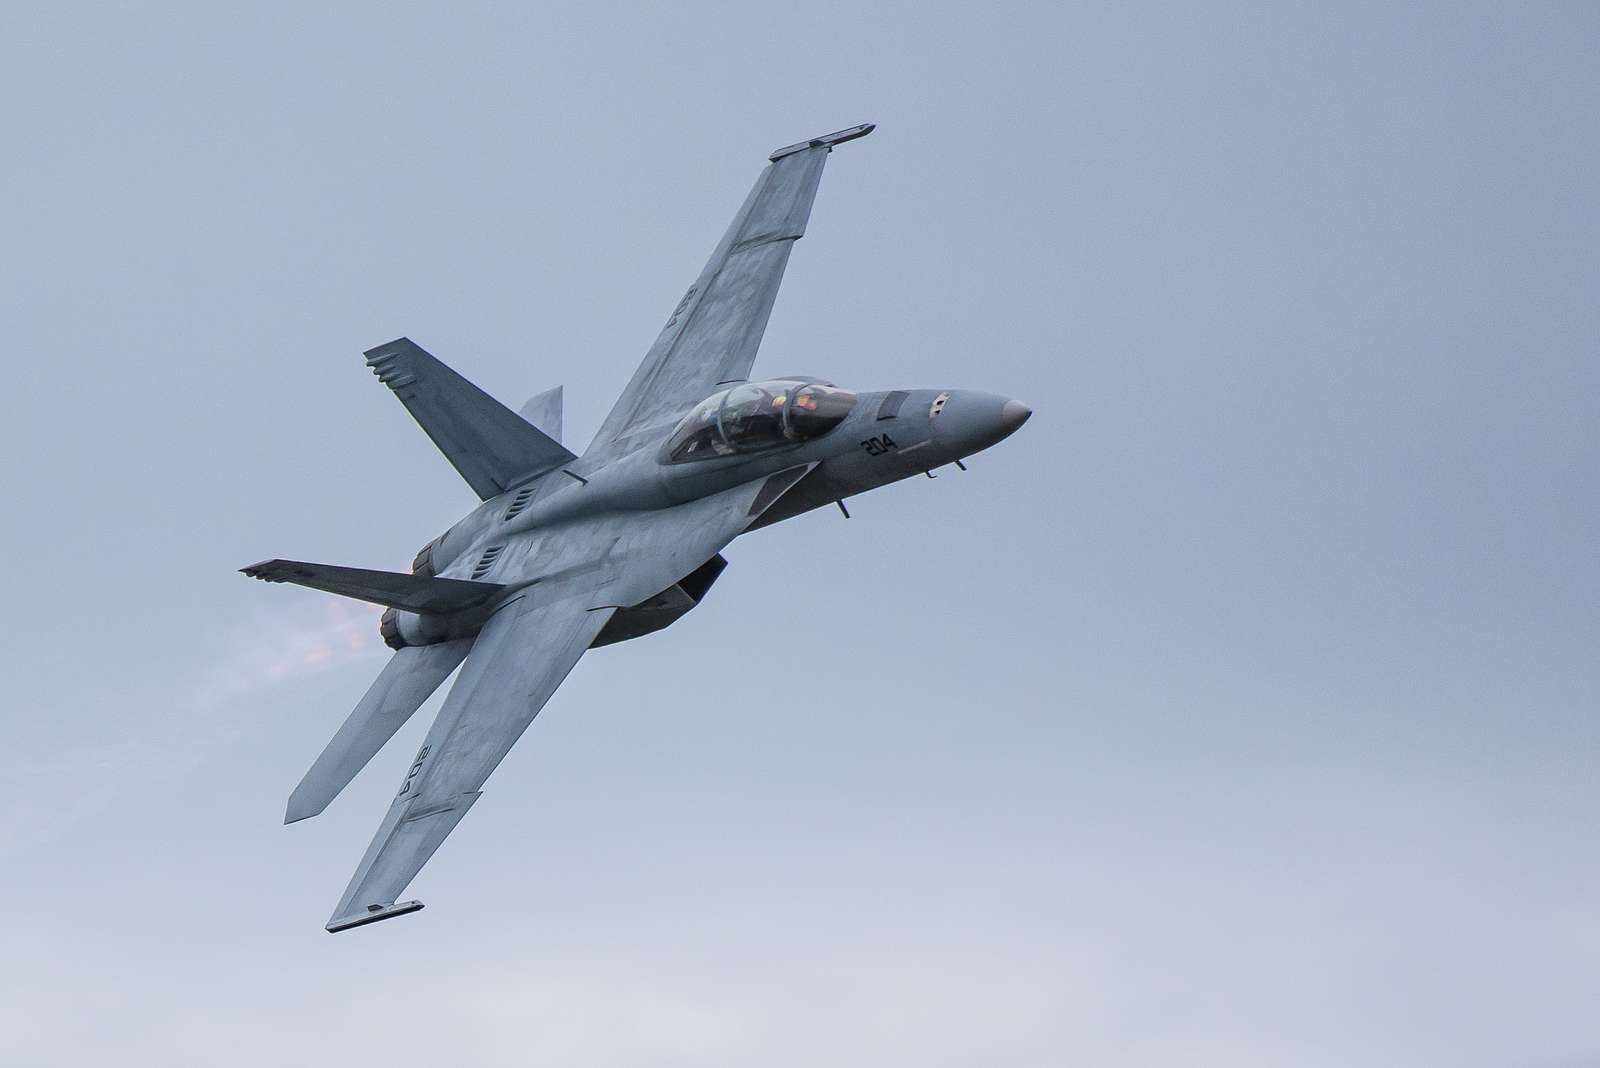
x=758 y=415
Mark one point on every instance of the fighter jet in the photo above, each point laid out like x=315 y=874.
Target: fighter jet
x=568 y=552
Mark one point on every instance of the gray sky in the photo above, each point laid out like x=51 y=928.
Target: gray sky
x=1238 y=711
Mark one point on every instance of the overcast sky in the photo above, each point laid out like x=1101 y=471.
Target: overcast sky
x=1240 y=710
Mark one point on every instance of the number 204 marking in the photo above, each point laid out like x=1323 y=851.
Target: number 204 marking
x=879 y=444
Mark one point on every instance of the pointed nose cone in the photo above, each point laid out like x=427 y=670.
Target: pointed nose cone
x=969 y=421
x=1013 y=414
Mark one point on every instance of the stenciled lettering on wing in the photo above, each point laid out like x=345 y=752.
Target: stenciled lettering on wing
x=416 y=766
x=682 y=304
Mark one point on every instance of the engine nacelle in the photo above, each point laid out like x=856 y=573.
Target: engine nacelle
x=401 y=629
x=423 y=563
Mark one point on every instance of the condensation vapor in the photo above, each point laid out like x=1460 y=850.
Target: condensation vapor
x=198 y=715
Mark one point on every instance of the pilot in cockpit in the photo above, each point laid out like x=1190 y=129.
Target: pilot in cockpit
x=758 y=415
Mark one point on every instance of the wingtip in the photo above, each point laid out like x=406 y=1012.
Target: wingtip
x=293 y=814
x=838 y=137
x=373 y=914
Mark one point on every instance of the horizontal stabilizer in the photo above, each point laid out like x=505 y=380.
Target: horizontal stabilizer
x=412 y=593
x=408 y=680
x=492 y=446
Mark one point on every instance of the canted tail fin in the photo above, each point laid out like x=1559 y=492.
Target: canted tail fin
x=544 y=412
x=492 y=446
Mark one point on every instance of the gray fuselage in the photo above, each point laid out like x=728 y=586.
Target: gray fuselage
x=887 y=436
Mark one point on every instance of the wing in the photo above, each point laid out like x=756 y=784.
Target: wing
x=520 y=657
x=713 y=334
x=522 y=654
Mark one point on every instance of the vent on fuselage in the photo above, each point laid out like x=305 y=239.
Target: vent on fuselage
x=520 y=501
x=486 y=561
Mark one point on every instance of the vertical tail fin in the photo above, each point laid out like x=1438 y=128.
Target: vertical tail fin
x=544 y=412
